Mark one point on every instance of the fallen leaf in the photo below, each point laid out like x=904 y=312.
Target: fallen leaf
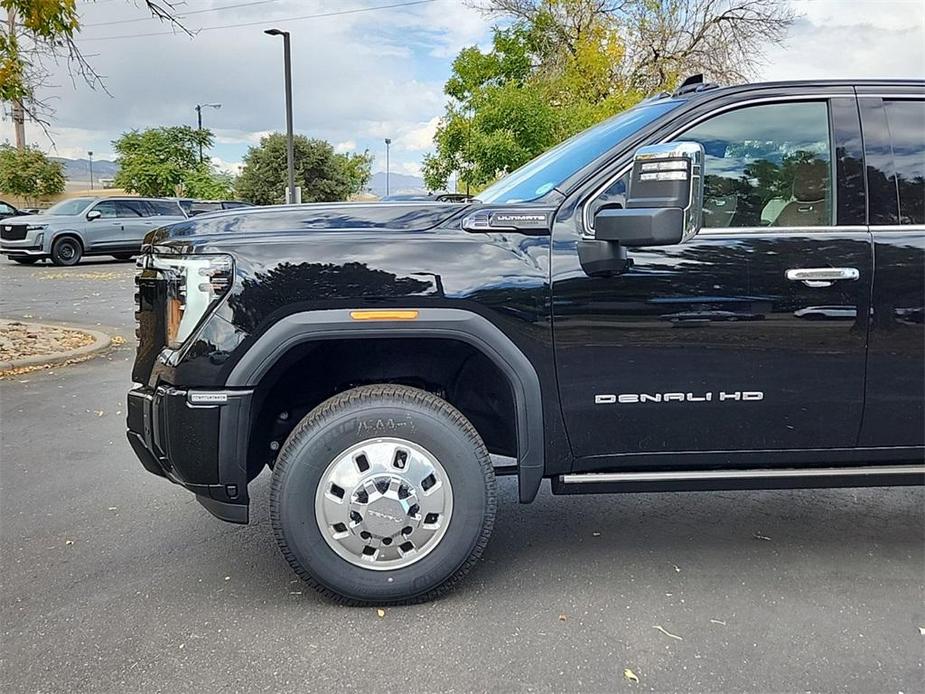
x=227 y=578
x=922 y=631
x=667 y=633
x=69 y=542
x=562 y=617
x=380 y=612
x=99 y=413
x=630 y=675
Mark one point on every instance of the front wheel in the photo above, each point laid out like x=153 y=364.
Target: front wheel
x=383 y=494
x=66 y=251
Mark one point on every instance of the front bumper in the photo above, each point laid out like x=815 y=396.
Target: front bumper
x=19 y=252
x=197 y=439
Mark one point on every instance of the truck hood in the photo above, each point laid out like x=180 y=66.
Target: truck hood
x=342 y=216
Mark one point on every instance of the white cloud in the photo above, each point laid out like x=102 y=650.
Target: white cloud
x=345 y=146
x=227 y=167
x=420 y=137
x=836 y=39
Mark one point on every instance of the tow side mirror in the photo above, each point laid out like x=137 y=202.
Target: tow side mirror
x=93 y=214
x=664 y=203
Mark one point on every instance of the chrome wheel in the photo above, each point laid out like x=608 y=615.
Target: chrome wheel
x=384 y=504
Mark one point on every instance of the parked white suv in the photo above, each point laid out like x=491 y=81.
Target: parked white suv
x=85 y=226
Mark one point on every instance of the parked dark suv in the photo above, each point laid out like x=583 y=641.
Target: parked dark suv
x=638 y=309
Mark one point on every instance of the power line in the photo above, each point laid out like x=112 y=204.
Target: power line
x=277 y=20
x=182 y=14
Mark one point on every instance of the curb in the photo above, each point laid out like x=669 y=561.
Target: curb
x=101 y=341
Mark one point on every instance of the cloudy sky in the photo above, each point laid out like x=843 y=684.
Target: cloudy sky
x=362 y=76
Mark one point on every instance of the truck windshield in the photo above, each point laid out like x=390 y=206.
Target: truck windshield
x=538 y=177
x=70 y=207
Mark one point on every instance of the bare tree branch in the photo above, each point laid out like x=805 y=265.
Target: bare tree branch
x=665 y=39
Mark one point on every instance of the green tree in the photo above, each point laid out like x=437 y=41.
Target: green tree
x=530 y=91
x=205 y=183
x=359 y=169
x=29 y=173
x=159 y=161
x=322 y=174
x=560 y=66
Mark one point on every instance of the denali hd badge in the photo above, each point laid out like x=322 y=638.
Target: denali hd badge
x=639 y=398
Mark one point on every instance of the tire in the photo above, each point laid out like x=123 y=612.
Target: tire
x=26 y=260
x=364 y=426
x=66 y=250
x=123 y=256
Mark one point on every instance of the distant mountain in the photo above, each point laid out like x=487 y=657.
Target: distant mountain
x=398 y=183
x=78 y=170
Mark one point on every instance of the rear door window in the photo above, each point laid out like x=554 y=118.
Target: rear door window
x=906 y=122
x=132 y=208
x=166 y=208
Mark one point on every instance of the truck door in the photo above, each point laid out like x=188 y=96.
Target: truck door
x=894 y=137
x=727 y=342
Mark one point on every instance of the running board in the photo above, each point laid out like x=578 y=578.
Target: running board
x=711 y=480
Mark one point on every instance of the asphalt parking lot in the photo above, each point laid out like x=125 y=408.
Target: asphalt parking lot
x=114 y=580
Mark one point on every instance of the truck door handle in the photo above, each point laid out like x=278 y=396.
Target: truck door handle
x=821 y=276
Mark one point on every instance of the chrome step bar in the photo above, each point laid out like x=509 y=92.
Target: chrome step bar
x=681 y=475
x=766 y=478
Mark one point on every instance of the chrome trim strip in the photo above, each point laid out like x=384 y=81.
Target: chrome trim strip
x=681 y=475
x=588 y=227
x=780 y=231
x=918 y=96
x=898 y=227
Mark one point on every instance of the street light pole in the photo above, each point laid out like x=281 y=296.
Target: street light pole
x=199 y=108
x=388 y=142
x=90 y=154
x=290 y=147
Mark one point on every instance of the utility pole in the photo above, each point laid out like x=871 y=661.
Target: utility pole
x=90 y=154
x=199 y=108
x=17 y=112
x=388 y=142
x=292 y=197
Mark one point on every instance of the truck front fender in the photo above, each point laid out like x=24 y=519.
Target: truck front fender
x=449 y=323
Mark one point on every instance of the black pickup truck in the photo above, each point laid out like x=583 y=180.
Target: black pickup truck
x=720 y=288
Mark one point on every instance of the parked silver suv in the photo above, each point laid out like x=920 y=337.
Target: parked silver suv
x=85 y=226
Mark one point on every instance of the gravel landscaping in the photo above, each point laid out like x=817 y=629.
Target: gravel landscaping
x=20 y=340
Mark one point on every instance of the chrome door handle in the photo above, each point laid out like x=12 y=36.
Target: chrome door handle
x=821 y=276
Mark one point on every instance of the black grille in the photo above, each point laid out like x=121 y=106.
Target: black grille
x=12 y=232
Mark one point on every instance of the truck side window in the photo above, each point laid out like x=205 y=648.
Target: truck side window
x=906 y=121
x=767 y=165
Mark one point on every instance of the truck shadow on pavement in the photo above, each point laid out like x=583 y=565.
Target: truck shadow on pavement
x=625 y=538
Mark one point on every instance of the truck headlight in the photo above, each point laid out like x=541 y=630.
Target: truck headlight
x=194 y=285
x=35 y=227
